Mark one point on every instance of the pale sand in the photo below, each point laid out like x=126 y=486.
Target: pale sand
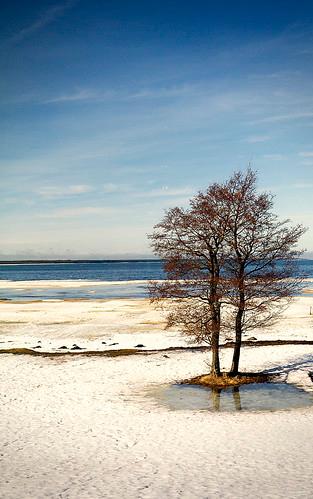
x=82 y=427
x=76 y=283
x=88 y=322
x=127 y=322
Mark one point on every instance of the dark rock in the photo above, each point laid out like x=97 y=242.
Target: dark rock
x=140 y=345
x=38 y=346
x=63 y=348
x=310 y=373
x=38 y=341
x=166 y=356
x=76 y=347
x=112 y=344
x=104 y=342
x=252 y=338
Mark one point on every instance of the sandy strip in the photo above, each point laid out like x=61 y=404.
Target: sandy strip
x=118 y=323
x=76 y=283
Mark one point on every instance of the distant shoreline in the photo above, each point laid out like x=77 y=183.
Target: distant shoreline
x=117 y=260
x=15 y=262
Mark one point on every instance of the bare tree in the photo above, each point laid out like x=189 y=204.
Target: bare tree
x=191 y=243
x=229 y=263
x=261 y=263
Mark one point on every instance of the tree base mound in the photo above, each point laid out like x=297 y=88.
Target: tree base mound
x=225 y=380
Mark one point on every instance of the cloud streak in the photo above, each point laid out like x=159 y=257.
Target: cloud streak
x=306 y=154
x=111 y=188
x=284 y=117
x=46 y=18
x=167 y=192
x=76 y=212
x=254 y=139
x=79 y=95
x=274 y=157
x=51 y=192
x=126 y=95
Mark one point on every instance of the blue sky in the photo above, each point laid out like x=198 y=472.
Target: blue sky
x=113 y=111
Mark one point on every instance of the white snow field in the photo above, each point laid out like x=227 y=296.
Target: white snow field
x=83 y=426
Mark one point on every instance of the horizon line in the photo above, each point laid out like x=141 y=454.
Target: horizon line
x=94 y=260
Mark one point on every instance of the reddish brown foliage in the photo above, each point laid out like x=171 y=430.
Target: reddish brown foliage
x=229 y=262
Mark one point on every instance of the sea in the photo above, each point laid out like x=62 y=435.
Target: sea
x=119 y=278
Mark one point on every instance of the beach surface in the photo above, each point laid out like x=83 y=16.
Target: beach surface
x=84 y=426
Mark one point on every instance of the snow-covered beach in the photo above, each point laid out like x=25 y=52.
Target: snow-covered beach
x=84 y=426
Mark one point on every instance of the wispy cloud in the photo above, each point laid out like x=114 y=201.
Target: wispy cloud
x=253 y=139
x=46 y=18
x=167 y=192
x=307 y=163
x=283 y=187
x=76 y=212
x=277 y=75
x=306 y=154
x=165 y=92
x=111 y=188
x=302 y=185
x=274 y=157
x=124 y=95
x=77 y=95
x=284 y=117
x=163 y=192
x=50 y=192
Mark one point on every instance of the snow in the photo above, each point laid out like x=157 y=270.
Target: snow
x=88 y=427
x=78 y=283
x=125 y=322
x=89 y=323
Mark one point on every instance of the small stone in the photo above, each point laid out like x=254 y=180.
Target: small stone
x=252 y=338
x=38 y=346
x=112 y=344
x=76 y=347
x=140 y=345
x=310 y=373
x=166 y=356
x=63 y=347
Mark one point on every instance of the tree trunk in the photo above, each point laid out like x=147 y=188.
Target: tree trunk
x=236 y=355
x=239 y=320
x=216 y=317
x=215 y=357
